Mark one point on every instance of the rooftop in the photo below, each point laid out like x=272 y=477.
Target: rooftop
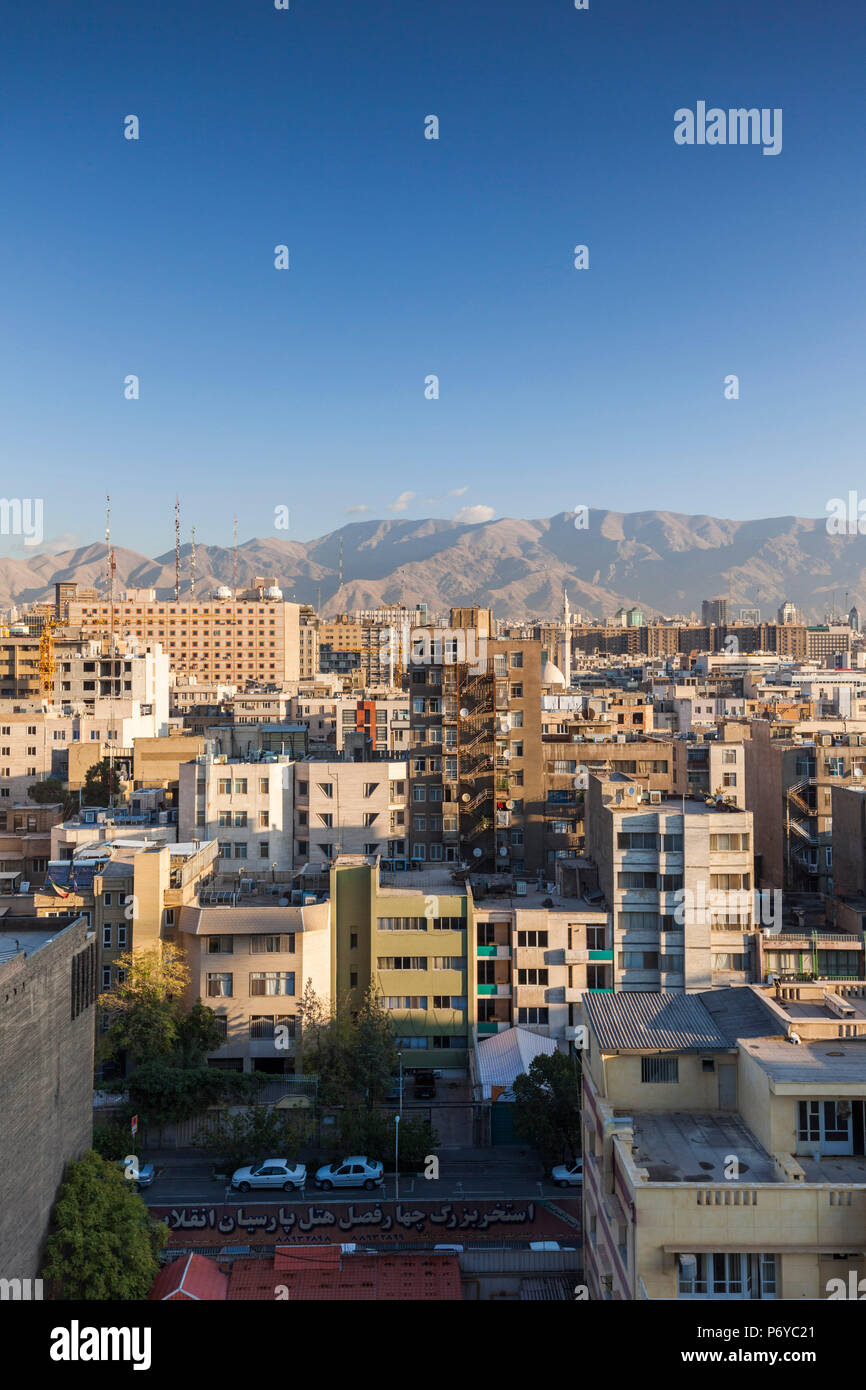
x=819 y=1061
x=680 y=1147
x=644 y=1022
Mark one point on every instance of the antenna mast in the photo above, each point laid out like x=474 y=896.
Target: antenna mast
x=111 y=568
x=176 y=549
x=235 y=558
x=192 y=567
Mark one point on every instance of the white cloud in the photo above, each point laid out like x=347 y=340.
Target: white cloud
x=469 y=516
x=361 y=507
x=458 y=491
x=402 y=502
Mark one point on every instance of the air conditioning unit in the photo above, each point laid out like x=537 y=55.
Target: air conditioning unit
x=520 y=890
x=655 y=798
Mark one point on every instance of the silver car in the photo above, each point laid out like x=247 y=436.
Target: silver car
x=274 y=1172
x=352 y=1172
x=568 y=1174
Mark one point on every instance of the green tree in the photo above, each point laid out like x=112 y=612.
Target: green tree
x=101 y=783
x=547 y=1106
x=352 y=1050
x=103 y=1244
x=165 y=1044
x=52 y=792
x=256 y=1133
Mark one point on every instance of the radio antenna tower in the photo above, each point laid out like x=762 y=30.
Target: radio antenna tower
x=192 y=566
x=176 y=549
x=341 y=562
x=235 y=558
x=111 y=568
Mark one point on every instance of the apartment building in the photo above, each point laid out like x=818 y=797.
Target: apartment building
x=128 y=891
x=49 y=986
x=25 y=844
x=101 y=671
x=534 y=963
x=410 y=941
x=250 y=636
x=351 y=808
x=790 y=777
x=720 y=1161
x=678 y=877
x=308 y=636
x=705 y=765
x=475 y=733
x=375 y=724
x=250 y=962
x=246 y=806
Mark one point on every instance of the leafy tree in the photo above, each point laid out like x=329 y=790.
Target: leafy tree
x=101 y=783
x=353 y=1051
x=256 y=1133
x=166 y=1045
x=547 y=1106
x=103 y=1244
x=52 y=791
x=114 y=1140
x=372 y=1132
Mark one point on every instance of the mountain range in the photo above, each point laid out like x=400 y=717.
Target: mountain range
x=663 y=562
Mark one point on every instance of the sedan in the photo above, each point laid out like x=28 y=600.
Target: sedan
x=352 y=1172
x=274 y=1172
x=568 y=1175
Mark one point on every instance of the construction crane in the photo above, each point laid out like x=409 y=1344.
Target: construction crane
x=46 y=656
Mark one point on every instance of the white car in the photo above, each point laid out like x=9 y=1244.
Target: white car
x=568 y=1175
x=352 y=1172
x=274 y=1172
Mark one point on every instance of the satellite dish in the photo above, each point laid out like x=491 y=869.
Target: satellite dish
x=630 y=791
x=284 y=902
x=509 y=805
x=477 y=853
x=503 y=850
x=465 y=797
x=464 y=714
x=858 y=772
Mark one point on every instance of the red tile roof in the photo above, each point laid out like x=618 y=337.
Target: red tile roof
x=194 y=1277
x=355 y=1278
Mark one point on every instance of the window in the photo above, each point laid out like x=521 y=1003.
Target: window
x=634 y=879
x=106 y=935
x=725 y=960
x=353 y=940
x=240 y=850
x=219 y=986
x=446 y=1041
x=638 y=960
x=634 y=839
x=516 y=660
x=539 y=1016
x=241 y=785
x=720 y=843
x=445 y=963
x=403 y=1001
x=532 y=938
x=532 y=977
x=402 y=962
x=272 y=982
x=660 y=1069
x=727 y=1275
x=517 y=691
x=275 y=944
x=728 y=882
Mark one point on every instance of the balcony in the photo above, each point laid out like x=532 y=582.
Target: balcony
x=496 y=952
x=575 y=956
x=495 y=991
x=486 y=1029
x=605 y=957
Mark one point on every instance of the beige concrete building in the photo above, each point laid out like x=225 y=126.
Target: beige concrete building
x=678 y=876
x=349 y=808
x=234 y=639
x=251 y=963
x=720 y=1160
x=246 y=806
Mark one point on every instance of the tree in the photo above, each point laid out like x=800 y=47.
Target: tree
x=103 y=1244
x=166 y=1045
x=547 y=1106
x=353 y=1052
x=101 y=783
x=254 y=1134
x=52 y=791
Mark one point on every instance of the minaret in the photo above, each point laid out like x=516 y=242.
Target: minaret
x=566 y=640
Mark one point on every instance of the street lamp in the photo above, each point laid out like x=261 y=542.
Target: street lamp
x=396 y=1158
x=400 y=1060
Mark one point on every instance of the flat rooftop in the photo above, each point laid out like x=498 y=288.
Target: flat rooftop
x=28 y=937
x=819 y=1061
x=681 y=1147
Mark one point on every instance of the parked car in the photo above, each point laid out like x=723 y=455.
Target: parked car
x=425 y=1085
x=568 y=1174
x=352 y=1172
x=146 y=1174
x=274 y=1172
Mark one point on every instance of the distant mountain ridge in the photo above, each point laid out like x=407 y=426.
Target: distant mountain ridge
x=664 y=562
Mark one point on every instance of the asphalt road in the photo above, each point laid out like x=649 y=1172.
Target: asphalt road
x=177 y=1184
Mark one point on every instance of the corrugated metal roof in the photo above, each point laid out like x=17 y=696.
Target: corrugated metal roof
x=740 y=1013
x=503 y=1056
x=641 y=1021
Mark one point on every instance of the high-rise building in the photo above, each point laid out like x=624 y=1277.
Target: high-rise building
x=714 y=611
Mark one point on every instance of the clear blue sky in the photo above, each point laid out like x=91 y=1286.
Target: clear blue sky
x=409 y=257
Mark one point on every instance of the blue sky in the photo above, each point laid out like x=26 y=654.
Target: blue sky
x=305 y=388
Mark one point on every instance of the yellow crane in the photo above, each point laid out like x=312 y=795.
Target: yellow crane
x=46 y=656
